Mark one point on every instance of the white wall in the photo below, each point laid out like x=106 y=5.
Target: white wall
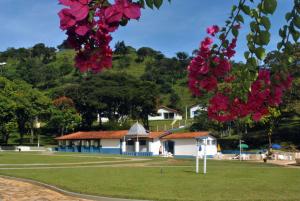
x=161 y=115
x=188 y=147
x=194 y=109
x=155 y=145
x=110 y=143
x=185 y=147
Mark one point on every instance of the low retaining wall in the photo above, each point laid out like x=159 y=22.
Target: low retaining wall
x=21 y=148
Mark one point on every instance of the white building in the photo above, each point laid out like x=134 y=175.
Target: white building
x=165 y=113
x=137 y=142
x=185 y=144
x=195 y=110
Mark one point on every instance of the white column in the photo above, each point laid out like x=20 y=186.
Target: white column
x=137 y=146
x=149 y=146
x=124 y=146
x=204 y=166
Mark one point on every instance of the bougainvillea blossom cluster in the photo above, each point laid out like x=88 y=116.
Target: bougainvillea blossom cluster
x=211 y=67
x=89 y=24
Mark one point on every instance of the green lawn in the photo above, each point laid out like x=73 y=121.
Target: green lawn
x=174 y=179
x=44 y=158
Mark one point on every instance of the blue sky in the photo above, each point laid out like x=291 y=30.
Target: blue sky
x=178 y=26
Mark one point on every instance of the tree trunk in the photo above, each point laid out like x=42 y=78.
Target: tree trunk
x=270 y=134
x=32 y=135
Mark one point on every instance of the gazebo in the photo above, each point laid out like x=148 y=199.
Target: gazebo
x=136 y=140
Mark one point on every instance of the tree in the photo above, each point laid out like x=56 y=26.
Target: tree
x=8 y=107
x=31 y=104
x=64 y=117
x=144 y=52
x=121 y=48
x=174 y=101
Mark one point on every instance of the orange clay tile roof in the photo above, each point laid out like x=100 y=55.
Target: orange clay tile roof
x=186 y=135
x=156 y=134
x=103 y=135
x=94 y=135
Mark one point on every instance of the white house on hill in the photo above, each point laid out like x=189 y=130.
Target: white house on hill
x=165 y=113
x=195 y=110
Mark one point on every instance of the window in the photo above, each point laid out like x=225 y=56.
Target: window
x=213 y=142
x=196 y=113
x=143 y=142
x=130 y=142
x=169 y=115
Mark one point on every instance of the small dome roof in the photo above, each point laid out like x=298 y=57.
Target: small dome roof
x=137 y=129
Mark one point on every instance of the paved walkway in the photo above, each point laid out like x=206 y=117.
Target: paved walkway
x=12 y=190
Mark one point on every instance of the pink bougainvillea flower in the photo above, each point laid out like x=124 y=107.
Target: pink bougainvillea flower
x=122 y=8
x=209 y=83
x=130 y=10
x=82 y=30
x=66 y=19
x=79 y=9
x=213 y=30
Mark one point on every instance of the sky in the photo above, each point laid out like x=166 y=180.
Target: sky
x=179 y=26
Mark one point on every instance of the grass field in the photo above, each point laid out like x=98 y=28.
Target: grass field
x=159 y=178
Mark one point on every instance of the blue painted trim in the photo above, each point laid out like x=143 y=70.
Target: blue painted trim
x=111 y=151
x=137 y=153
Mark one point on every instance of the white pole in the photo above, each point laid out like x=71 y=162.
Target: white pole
x=197 y=158
x=38 y=141
x=186 y=114
x=204 y=167
x=240 y=150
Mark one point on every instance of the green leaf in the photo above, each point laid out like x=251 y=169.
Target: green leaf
x=142 y=3
x=158 y=3
x=150 y=3
x=246 y=9
x=269 y=6
x=266 y=22
x=235 y=32
x=251 y=61
x=282 y=33
x=246 y=54
x=279 y=45
x=264 y=37
x=240 y=18
x=297 y=21
x=260 y=53
x=288 y=16
x=234 y=7
x=253 y=26
x=295 y=35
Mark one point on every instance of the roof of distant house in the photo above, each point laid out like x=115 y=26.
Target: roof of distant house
x=169 y=109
